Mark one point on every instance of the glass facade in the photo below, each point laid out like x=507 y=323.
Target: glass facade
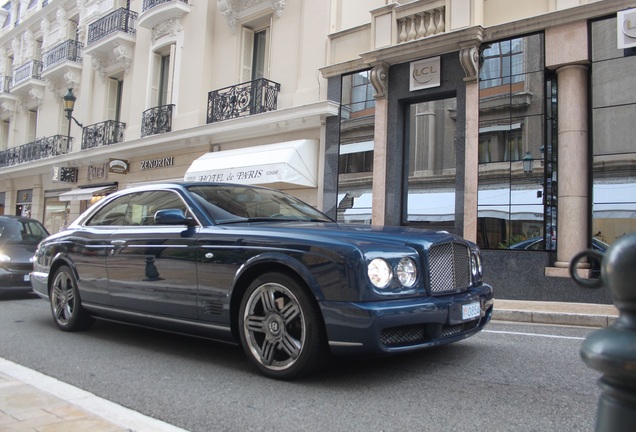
x=355 y=160
x=613 y=132
x=431 y=163
x=517 y=147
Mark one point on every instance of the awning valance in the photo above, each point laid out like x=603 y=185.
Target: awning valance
x=82 y=194
x=282 y=165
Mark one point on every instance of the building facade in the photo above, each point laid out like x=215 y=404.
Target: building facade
x=506 y=121
x=158 y=84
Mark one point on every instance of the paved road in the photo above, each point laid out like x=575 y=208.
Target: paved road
x=512 y=377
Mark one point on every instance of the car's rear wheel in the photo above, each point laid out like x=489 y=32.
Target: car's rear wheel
x=66 y=306
x=281 y=328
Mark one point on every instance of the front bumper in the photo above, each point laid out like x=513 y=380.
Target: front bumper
x=392 y=326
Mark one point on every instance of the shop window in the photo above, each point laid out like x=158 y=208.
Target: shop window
x=517 y=147
x=56 y=214
x=431 y=182
x=355 y=167
x=613 y=129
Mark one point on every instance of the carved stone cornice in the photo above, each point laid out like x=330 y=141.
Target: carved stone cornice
x=236 y=10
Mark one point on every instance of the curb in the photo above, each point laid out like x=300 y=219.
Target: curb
x=558 y=318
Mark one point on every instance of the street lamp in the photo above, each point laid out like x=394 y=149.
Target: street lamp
x=69 y=105
x=528 y=164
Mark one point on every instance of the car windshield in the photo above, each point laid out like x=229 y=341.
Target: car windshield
x=21 y=230
x=232 y=204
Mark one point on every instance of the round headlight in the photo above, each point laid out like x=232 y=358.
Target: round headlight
x=5 y=258
x=406 y=272
x=474 y=265
x=379 y=273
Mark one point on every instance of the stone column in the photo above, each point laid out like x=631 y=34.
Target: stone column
x=572 y=226
x=469 y=57
x=378 y=204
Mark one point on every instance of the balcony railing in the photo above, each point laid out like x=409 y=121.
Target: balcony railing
x=156 y=120
x=5 y=84
x=242 y=100
x=149 y=4
x=102 y=134
x=421 y=24
x=119 y=20
x=67 y=50
x=31 y=69
x=39 y=149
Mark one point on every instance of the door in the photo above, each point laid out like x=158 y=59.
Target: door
x=152 y=268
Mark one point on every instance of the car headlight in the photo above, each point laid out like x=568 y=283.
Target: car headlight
x=379 y=273
x=5 y=258
x=406 y=272
x=475 y=265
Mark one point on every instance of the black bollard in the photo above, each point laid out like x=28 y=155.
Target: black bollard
x=612 y=350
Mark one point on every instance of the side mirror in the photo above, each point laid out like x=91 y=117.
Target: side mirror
x=173 y=217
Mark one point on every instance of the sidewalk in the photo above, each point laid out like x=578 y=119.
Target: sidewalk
x=33 y=402
x=574 y=314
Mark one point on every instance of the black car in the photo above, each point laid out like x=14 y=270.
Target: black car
x=19 y=237
x=258 y=267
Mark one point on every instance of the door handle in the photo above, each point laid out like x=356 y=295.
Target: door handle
x=118 y=243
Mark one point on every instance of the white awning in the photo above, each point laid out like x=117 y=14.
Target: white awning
x=293 y=163
x=82 y=194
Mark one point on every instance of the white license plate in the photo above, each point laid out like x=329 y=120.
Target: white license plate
x=27 y=278
x=471 y=310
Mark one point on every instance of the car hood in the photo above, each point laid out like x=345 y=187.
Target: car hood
x=360 y=235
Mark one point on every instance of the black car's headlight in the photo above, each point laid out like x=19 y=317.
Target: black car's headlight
x=392 y=276
x=476 y=269
x=4 y=258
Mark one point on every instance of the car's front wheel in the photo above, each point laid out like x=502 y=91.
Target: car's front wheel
x=281 y=327
x=66 y=306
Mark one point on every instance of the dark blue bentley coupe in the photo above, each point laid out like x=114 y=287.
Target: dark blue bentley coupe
x=258 y=267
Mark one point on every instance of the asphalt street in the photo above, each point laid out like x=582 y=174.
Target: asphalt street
x=511 y=377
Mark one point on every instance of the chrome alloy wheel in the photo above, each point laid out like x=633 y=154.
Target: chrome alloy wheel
x=63 y=298
x=274 y=326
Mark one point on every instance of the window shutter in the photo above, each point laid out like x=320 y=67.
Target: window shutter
x=155 y=80
x=112 y=102
x=247 y=55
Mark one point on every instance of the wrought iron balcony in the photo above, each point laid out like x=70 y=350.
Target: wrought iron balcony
x=156 y=120
x=70 y=50
x=122 y=20
x=5 y=84
x=102 y=134
x=39 y=149
x=29 y=70
x=252 y=97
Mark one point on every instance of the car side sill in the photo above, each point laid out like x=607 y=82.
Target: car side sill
x=100 y=310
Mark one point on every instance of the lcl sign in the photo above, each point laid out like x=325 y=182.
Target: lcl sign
x=425 y=74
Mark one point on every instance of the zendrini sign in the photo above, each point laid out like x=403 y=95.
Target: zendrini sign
x=626 y=28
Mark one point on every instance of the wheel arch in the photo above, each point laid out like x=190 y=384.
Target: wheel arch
x=270 y=264
x=55 y=265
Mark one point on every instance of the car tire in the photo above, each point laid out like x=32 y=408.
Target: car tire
x=281 y=328
x=66 y=305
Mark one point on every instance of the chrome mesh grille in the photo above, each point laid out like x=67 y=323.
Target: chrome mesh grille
x=449 y=267
x=420 y=333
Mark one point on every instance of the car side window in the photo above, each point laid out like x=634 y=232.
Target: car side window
x=113 y=213
x=144 y=205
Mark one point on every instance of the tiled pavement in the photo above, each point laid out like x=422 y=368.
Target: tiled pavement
x=33 y=402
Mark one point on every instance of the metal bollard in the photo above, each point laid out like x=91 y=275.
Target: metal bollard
x=612 y=350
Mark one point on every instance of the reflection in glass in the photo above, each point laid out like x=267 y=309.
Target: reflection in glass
x=614 y=129
x=355 y=164
x=431 y=163
x=517 y=180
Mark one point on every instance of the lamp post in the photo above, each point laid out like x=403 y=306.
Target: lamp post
x=69 y=105
x=528 y=164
